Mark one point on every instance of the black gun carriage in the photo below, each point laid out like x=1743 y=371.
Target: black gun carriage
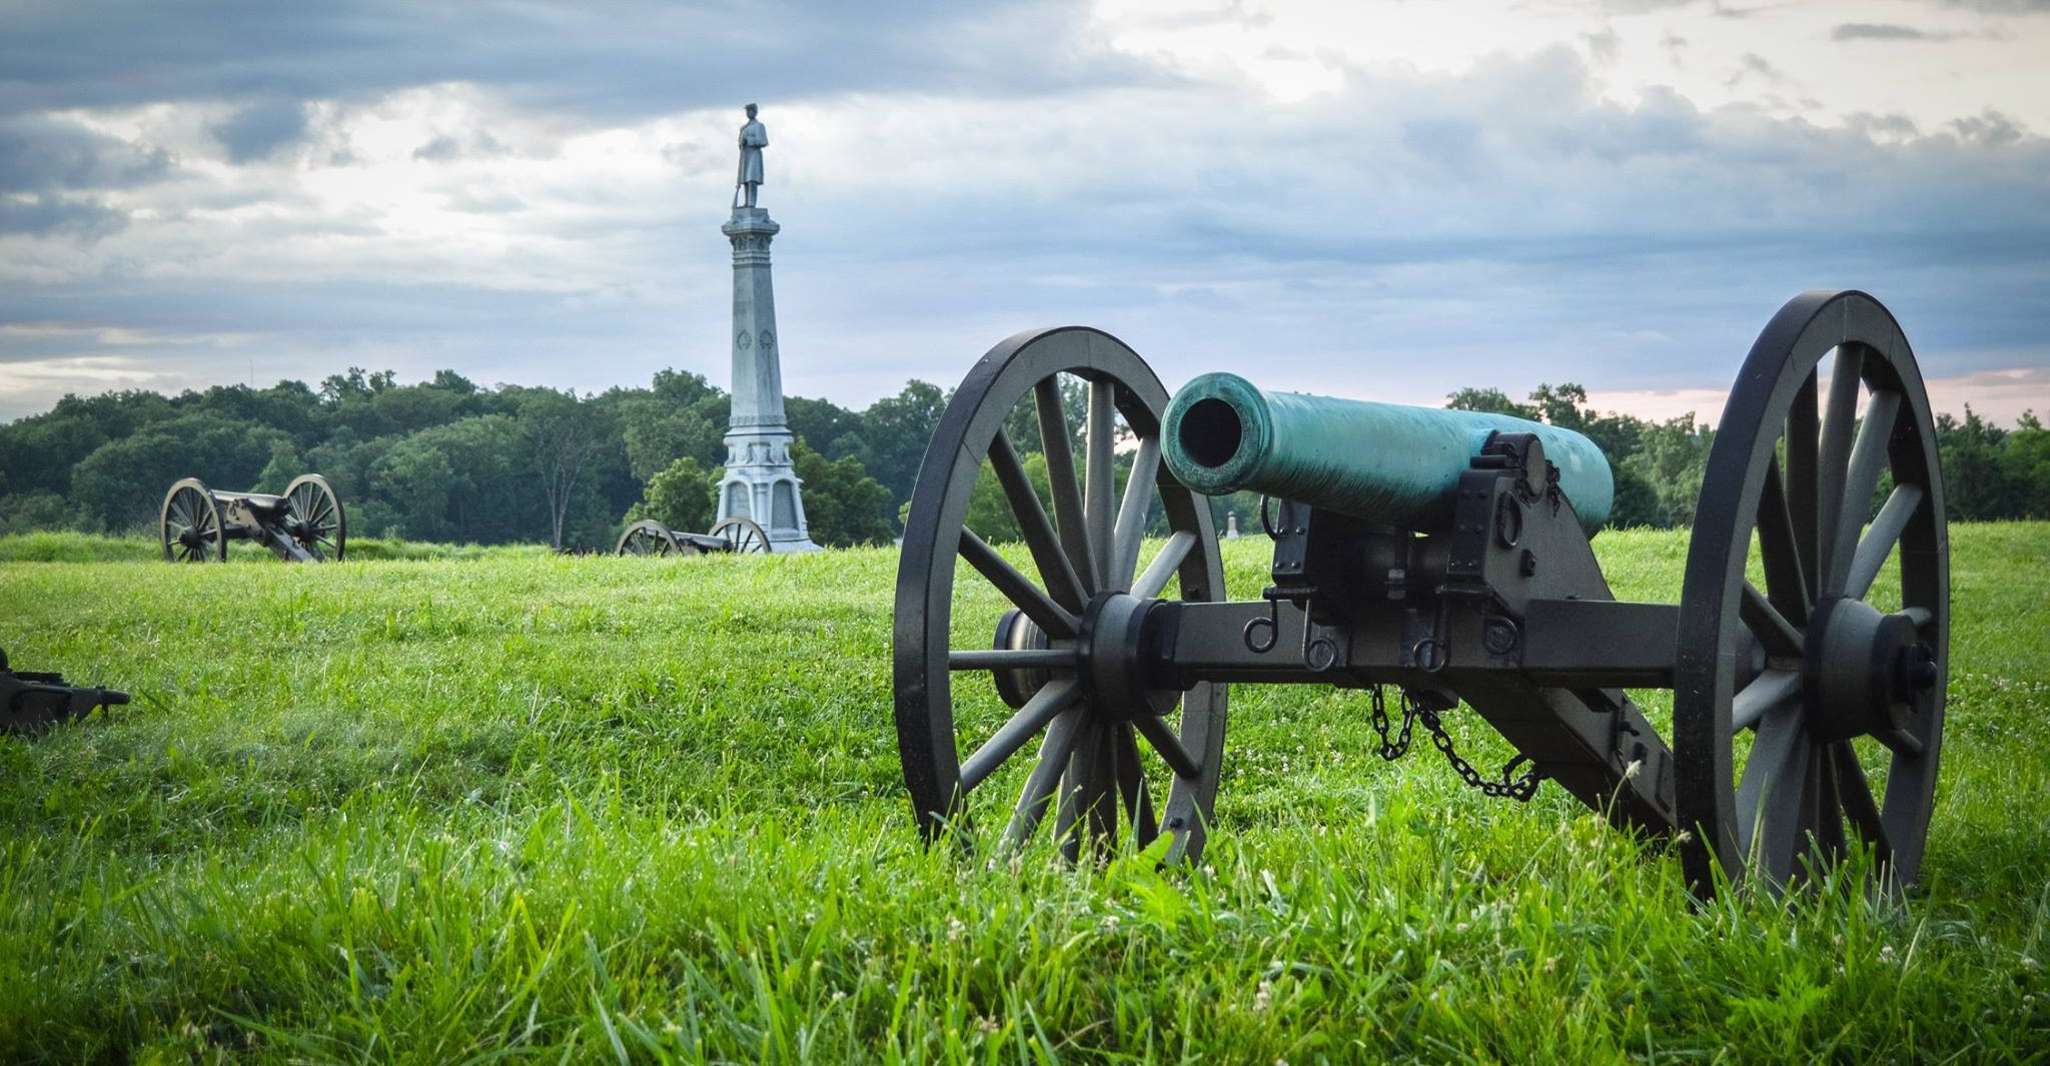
x=731 y=534
x=304 y=524
x=1446 y=555
x=31 y=702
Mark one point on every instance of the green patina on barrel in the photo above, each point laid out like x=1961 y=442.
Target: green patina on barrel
x=1387 y=463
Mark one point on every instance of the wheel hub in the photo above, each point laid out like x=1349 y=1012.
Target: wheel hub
x=1114 y=665
x=1866 y=672
x=1015 y=632
x=1110 y=653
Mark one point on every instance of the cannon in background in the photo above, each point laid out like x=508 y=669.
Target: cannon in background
x=306 y=524
x=1445 y=555
x=731 y=534
x=32 y=702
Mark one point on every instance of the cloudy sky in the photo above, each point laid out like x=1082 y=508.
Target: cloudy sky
x=1386 y=199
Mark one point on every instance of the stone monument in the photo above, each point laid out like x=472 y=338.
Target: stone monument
x=761 y=482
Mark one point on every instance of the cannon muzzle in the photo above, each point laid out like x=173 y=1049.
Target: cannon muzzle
x=1390 y=464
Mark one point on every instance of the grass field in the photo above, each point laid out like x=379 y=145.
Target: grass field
x=503 y=805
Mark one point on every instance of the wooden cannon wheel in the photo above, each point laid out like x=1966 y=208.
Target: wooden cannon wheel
x=315 y=519
x=1788 y=698
x=649 y=537
x=190 y=524
x=1089 y=767
x=742 y=534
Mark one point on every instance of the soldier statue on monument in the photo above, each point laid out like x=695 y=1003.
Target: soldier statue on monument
x=753 y=138
x=760 y=481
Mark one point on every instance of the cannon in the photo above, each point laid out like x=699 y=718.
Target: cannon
x=731 y=534
x=305 y=524
x=1446 y=556
x=32 y=702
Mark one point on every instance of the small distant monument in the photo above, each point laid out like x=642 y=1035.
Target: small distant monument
x=761 y=482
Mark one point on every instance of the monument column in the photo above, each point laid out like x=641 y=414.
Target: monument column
x=761 y=482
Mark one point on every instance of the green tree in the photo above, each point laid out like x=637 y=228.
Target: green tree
x=1975 y=481
x=121 y=485
x=284 y=465
x=895 y=433
x=842 y=505
x=680 y=496
x=1491 y=400
x=559 y=436
x=415 y=482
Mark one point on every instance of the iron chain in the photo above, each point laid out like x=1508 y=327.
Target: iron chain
x=1392 y=751
x=1520 y=789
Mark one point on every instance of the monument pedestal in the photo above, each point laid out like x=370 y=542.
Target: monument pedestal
x=760 y=482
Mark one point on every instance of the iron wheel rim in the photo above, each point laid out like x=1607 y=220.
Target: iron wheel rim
x=743 y=535
x=321 y=525
x=190 y=524
x=1089 y=761
x=1780 y=815
x=646 y=537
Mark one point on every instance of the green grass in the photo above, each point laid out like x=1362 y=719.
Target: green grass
x=92 y=548
x=515 y=806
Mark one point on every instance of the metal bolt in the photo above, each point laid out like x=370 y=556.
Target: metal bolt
x=1499 y=636
x=1915 y=671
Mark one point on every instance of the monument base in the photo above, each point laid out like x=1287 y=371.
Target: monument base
x=761 y=483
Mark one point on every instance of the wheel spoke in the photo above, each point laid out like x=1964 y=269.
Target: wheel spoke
x=1133 y=512
x=1828 y=824
x=1803 y=429
x=1054 y=749
x=1767 y=692
x=1774 y=631
x=1060 y=476
x=1879 y=541
x=1164 y=565
x=1837 y=423
x=1132 y=786
x=1779 y=549
x=1011 y=659
x=1043 y=707
x=1163 y=740
x=1016 y=587
x=1085 y=792
x=1098 y=792
x=1868 y=458
x=1054 y=565
x=1100 y=451
x=1856 y=797
x=1770 y=799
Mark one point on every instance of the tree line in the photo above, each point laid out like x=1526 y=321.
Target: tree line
x=449 y=460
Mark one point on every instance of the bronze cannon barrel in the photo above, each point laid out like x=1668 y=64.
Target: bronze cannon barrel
x=1386 y=463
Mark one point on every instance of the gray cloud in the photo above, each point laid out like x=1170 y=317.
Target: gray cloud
x=2001 y=7
x=261 y=129
x=1885 y=31
x=38 y=152
x=1502 y=226
x=439 y=150
x=45 y=214
x=1990 y=128
x=639 y=57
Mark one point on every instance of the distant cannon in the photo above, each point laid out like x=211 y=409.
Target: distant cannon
x=1446 y=554
x=305 y=524
x=732 y=534
x=32 y=702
